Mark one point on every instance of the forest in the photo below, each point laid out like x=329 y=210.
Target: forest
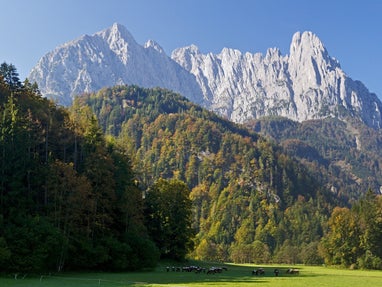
x=343 y=153
x=68 y=196
x=127 y=176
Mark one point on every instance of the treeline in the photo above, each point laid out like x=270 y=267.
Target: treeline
x=69 y=199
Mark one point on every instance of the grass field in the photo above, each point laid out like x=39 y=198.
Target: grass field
x=236 y=275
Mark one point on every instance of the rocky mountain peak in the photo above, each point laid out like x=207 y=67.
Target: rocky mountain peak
x=120 y=41
x=306 y=41
x=150 y=44
x=116 y=33
x=107 y=58
x=187 y=57
x=192 y=49
x=307 y=51
x=306 y=84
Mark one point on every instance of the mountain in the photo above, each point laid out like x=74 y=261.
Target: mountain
x=107 y=58
x=345 y=157
x=306 y=84
x=330 y=122
x=243 y=188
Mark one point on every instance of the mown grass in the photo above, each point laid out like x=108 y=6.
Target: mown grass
x=236 y=275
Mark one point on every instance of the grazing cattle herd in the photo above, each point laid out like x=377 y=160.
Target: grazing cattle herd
x=215 y=270
x=197 y=269
x=276 y=271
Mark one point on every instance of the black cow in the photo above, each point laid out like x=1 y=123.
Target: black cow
x=214 y=270
x=259 y=271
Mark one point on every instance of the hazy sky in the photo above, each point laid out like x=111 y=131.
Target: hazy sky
x=350 y=30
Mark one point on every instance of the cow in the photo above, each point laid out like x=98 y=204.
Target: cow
x=293 y=271
x=214 y=270
x=259 y=271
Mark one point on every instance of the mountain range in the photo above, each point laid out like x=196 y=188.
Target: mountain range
x=306 y=84
x=298 y=137
x=108 y=58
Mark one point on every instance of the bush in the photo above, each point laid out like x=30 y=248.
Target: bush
x=369 y=261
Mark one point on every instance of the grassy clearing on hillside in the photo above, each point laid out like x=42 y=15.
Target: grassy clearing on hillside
x=236 y=275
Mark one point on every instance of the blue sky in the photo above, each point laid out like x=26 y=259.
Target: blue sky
x=350 y=30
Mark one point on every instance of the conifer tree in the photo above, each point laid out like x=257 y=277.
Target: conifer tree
x=10 y=76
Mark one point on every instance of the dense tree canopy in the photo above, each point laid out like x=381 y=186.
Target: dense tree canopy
x=168 y=216
x=247 y=194
x=354 y=236
x=344 y=154
x=245 y=191
x=213 y=190
x=66 y=192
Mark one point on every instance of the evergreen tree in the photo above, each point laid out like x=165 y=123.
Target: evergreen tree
x=10 y=76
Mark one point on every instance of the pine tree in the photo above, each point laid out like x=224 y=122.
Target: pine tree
x=10 y=76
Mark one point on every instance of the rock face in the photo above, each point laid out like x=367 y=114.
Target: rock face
x=109 y=58
x=306 y=84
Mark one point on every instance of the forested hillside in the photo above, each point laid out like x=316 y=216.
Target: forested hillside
x=247 y=195
x=343 y=154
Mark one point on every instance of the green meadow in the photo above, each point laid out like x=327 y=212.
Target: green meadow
x=236 y=275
